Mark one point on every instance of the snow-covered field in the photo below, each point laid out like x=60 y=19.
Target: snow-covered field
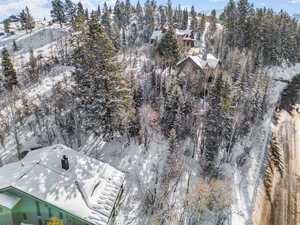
x=37 y=39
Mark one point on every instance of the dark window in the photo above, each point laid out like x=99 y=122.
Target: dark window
x=38 y=208
x=61 y=216
x=210 y=79
x=50 y=212
x=40 y=222
x=24 y=216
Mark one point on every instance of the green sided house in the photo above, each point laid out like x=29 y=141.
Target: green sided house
x=62 y=183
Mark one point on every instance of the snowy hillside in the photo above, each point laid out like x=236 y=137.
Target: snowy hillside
x=34 y=40
x=40 y=8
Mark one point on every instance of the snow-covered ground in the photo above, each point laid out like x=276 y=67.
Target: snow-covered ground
x=42 y=89
x=37 y=39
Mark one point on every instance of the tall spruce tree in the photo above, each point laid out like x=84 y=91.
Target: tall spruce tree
x=106 y=21
x=244 y=13
x=70 y=9
x=202 y=24
x=185 y=20
x=8 y=70
x=169 y=12
x=100 y=87
x=217 y=123
x=6 y=24
x=149 y=20
x=80 y=10
x=194 y=20
x=26 y=20
x=230 y=17
x=127 y=11
x=139 y=13
x=168 y=49
x=58 y=12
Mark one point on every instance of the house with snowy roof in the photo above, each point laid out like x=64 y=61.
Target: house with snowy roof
x=185 y=38
x=198 y=69
x=199 y=62
x=58 y=182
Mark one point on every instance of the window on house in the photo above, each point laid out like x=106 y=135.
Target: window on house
x=24 y=216
x=50 y=212
x=38 y=209
x=40 y=222
x=61 y=216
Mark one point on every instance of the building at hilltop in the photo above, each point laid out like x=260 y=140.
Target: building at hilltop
x=58 y=182
x=185 y=38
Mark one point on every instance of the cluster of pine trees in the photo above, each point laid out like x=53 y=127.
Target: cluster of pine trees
x=25 y=18
x=274 y=37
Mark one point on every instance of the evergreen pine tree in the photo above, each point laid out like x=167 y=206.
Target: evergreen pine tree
x=202 y=24
x=86 y=14
x=80 y=10
x=218 y=123
x=168 y=49
x=99 y=11
x=105 y=20
x=118 y=14
x=58 y=12
x=230 y=17
x=139 y=13
x=8 y=70
x=128 y=11
x=149 y=18
x=185 y=20
x=26 y=20
x=70 y=9
x=6 y=24
x=101 y=89
x=169 y=12
x=194 y=20
x=172 y=110
x=244 y=11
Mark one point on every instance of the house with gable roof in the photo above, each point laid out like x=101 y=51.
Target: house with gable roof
x=197 y=72
x=185 y=38
x=62 y=183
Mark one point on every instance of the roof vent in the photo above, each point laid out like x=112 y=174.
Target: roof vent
x=65 y=162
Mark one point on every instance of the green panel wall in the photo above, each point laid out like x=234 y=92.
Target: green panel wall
x=32 y=211
x=5 y=216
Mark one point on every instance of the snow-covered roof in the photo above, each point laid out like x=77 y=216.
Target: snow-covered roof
x=157 y=34
x=183 y=32
x=8 y=201
x=211 y=61
x=88 y=190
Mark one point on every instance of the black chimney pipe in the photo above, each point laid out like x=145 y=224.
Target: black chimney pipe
x=65 y=162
